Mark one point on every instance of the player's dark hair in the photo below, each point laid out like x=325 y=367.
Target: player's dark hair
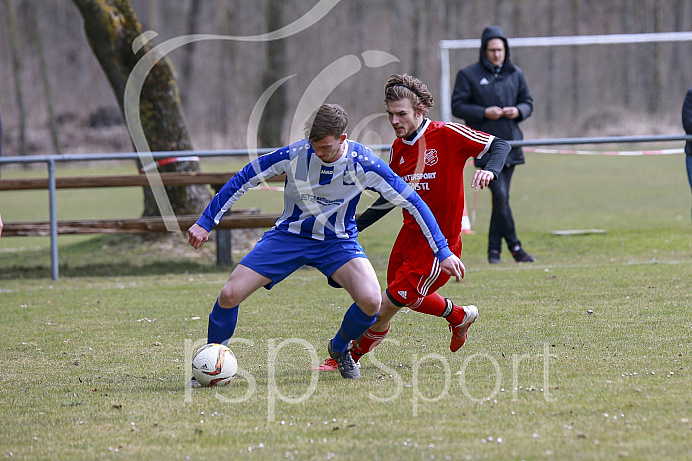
x=404 y=86
x=329 y=119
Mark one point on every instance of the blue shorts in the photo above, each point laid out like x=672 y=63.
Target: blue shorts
x=278 y=254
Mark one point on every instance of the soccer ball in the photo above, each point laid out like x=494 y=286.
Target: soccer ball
x=214 y=365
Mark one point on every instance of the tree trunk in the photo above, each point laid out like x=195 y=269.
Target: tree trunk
x=221 y=112
x=680 y=72
x=420 y=32
x=452 y=10
x=1 y=139
x=657 y=57
x=45 y=80
x=628 y=74
x=271 y=125
x=192 y=10
x=574 y=74
x=17 y=72
x=552 y=69
x=152 y=15
x=111 y=26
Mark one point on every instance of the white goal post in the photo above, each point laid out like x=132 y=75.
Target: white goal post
x=446 y=45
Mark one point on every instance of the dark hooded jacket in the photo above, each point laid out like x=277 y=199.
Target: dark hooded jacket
x=480 y=85
x=687 y=119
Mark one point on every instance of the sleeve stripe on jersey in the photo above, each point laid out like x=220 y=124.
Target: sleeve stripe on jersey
x=477 y=136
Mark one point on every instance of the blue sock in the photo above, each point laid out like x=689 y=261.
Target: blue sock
x=222 y=324
x=355 y=323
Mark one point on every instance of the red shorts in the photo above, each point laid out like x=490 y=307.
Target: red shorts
x=414 y=271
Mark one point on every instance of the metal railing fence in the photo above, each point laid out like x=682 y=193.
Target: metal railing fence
x=52 y=160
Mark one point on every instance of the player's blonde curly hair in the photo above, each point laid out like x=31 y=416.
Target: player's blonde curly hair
x=404 y=86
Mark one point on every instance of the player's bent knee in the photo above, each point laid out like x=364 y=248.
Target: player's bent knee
x=370 y=305
x=228 y=298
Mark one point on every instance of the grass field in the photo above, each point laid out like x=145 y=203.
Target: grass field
x=584 y=354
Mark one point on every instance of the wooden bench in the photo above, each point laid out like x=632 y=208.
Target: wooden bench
x=235 y=219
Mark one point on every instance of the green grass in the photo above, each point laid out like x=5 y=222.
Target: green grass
x=93 y=366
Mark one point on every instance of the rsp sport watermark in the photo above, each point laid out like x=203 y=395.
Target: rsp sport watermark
x=453 y=383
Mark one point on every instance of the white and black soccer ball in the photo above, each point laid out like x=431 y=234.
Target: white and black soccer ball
x=214 y=365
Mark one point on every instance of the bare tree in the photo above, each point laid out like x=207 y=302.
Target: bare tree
x=627 y=19
x=153 y=14
x=17 y=66
x=192 y=10
x=222 y=106
x=452 y=12
x=678 y=21
x=111 y=26
x=420 y=32
x=45 y=80
x=574 y=74
x=1 y=138
x=552 y=67
x=271 y=125
x=656 y=77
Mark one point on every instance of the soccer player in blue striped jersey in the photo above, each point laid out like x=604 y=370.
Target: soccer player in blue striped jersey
x=326 y=174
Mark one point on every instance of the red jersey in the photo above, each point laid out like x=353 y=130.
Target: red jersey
x=433 y=165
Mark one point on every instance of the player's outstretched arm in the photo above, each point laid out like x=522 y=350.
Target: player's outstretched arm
x=197 y=235
x=453 y=266
x=497 y=154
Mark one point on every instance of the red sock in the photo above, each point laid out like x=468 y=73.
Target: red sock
x=435 y=304
x=457 y=315
x=367 y=342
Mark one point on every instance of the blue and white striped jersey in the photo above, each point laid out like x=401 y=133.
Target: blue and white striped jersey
x=320 y=198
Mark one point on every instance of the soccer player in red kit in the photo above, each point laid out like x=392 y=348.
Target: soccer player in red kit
x=430 y=156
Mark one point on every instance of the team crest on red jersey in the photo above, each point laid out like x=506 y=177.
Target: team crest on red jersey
x=431 y=157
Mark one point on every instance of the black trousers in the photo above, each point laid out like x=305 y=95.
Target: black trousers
x=501 y=220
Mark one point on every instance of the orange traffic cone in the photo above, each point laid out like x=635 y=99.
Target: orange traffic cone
x=465 y=221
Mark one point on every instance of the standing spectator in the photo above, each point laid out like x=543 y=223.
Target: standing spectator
x=1 y=225
x=492 y=96
x=687 y=124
